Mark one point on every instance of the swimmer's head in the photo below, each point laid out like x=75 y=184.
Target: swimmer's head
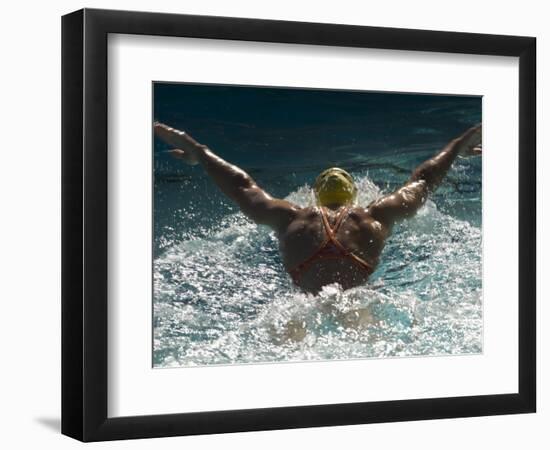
x=336 y=187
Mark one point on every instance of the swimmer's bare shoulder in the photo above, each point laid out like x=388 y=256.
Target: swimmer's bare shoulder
x=367 y=234
x=303 y=221
x=365 y=221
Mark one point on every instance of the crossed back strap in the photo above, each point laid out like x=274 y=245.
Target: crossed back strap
x=331 y=231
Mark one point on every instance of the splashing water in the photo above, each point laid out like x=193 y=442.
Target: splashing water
x=223 y=297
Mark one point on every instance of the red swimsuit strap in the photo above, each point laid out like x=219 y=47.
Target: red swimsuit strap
x=330 y=232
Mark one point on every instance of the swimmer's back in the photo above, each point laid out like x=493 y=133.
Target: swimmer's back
x=358 y=232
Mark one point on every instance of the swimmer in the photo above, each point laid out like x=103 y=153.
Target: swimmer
x=335 y=241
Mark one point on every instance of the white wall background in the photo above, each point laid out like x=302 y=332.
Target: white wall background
x=30 y=225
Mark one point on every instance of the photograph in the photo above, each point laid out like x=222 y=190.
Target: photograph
x=300 y=225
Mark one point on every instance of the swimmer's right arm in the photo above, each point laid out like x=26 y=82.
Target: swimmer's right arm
x=234 y=182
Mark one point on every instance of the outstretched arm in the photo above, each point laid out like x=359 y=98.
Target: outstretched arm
x=235 y=183
x=404 y=202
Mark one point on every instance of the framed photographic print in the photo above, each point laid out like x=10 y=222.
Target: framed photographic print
x=273 y=224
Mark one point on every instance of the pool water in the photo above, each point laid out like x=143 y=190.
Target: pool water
x=220 y=292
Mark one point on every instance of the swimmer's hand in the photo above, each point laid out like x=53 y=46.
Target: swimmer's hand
x=470 y=142
x=186 y=148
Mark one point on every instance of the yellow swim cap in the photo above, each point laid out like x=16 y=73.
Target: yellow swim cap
x=334 y=186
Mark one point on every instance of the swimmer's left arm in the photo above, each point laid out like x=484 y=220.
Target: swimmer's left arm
x=401 y=204
x=234 y=182
x=425 y=179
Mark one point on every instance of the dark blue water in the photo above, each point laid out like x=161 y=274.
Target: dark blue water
x=220 y=292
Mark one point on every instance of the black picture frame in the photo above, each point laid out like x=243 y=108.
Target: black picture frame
x=84 y=224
